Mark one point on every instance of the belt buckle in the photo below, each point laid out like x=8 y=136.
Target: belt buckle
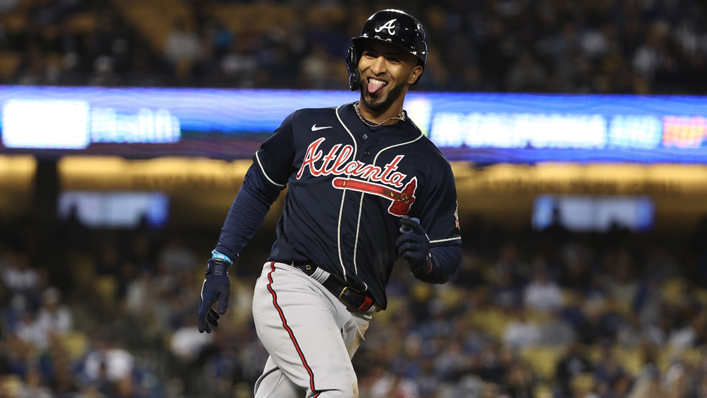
x=342 y=293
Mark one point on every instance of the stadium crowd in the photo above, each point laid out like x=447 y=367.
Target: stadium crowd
x=546 y=46
x=529 y=314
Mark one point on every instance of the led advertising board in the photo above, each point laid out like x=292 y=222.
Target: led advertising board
x=231 y=124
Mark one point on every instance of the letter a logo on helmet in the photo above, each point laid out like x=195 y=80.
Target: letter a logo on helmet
x=390 y=26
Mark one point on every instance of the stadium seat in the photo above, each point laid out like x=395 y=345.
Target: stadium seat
x=542 y=360
x=490 y=320
x=9 y=61
x=673 y=291
x=75 y=344
x=451 y=295
x=154 y=18
x=693 y=356
x=255 y=18
x=10 y=385
x=106 y=287
x=538 y=317
x=582 y=384
x=395 y=305
x=14 y=22
x=630 y=359
x=81 y=266
x=84 y=22
x=542 y=391
x=669 y=355
x=148 y=22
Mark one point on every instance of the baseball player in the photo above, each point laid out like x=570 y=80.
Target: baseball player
x=365 y=187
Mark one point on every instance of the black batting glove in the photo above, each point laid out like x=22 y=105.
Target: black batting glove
x=414 y=246
x=216 y=287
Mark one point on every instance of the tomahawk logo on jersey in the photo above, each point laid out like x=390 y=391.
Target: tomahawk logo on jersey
x=395 y=170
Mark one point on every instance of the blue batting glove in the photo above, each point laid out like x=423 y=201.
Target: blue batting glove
x=414 y=246
x=216 y=287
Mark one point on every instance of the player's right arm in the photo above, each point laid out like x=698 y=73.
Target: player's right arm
x=265 y=179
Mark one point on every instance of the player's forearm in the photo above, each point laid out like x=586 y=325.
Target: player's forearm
x=445 y=261
x=247 y=212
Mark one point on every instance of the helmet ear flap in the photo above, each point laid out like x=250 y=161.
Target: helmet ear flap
x=352 y=69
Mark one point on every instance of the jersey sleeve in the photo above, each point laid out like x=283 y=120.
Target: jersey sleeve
x=276 y=154
x=437 y=210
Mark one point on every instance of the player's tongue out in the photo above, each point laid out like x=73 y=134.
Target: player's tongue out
x=375 y=85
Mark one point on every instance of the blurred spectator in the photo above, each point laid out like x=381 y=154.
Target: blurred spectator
x=33 y=387
x=315 y=68
x=469 y=276
x=571 y=364
x=53 y=318
x=141 y=254
x=508 y=262
x=176 y=257
x=648 y=384
x=526 y=75
x=182 y=48
x=392 y=385
x=73 y=233
x=8 y=5
x=615 y=47
x=542 y=294
x=434 y=342
x=109 y=260
x=28 y=331
x=556 y=331
x=505 y=294
x=91 y=392
x=18 y=276
x=608 y=372
x=239 y=65
x=521 y=332
x=630 y=334
x=649 y=56
x=139 y=292
x=576 y=273
x=187 y=342
x=107 y=364
x=622 y=285
x=519 y=382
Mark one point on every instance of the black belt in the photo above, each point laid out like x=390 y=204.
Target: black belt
x=352 y=298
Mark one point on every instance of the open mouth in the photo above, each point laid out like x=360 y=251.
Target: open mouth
x=375 y=85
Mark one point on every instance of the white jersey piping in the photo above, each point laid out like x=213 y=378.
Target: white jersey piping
x=360 y=207
x=343 y=200
x=445 y=240
x=266 y=174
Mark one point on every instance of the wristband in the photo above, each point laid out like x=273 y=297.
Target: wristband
x=220 y=256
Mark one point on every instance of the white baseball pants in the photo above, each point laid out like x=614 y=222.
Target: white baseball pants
x=310 y=336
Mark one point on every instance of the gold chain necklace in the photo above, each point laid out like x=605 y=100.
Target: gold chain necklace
x=401 y=117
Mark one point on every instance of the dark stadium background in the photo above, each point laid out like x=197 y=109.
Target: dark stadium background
x=111 y=312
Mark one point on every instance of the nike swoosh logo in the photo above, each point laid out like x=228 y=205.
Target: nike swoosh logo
x=315 y=128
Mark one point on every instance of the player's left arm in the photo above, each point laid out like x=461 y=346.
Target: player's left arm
x=432 y=247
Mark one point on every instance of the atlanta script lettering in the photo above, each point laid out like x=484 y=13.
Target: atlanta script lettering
x=336 y=162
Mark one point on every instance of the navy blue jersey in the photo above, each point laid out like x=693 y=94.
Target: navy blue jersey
x=348 y=185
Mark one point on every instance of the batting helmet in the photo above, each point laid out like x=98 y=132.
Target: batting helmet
x=391 y=26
